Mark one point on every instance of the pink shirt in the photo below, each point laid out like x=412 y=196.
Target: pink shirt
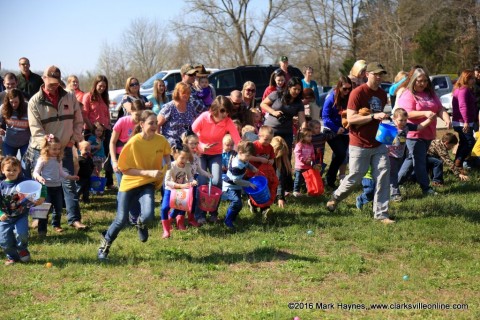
x=96 y=111
x=422 y=101
x=303 y=152
x=210 y=132
x=124 y=126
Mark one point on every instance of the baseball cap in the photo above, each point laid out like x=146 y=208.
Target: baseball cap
x=188 y=69
x=283 y=59
x=53 y=72
x=375 y=67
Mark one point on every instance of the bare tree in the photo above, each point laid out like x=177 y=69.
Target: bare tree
x=348 y=13
x=232 y=26
x=146 y=46
x=113 y=64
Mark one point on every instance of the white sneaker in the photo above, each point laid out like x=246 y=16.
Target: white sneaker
x=296 y=194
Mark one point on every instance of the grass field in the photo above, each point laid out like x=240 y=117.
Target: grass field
x=273 y=270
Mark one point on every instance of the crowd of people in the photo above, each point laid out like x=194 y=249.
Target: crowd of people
x=64 y=136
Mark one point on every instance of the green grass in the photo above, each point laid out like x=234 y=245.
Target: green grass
x=210 y=273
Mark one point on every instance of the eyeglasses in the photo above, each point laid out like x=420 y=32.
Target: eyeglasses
x=346 y=89
x=223 y=110
x=250 y=90
x=134 y=84
x=24 y=64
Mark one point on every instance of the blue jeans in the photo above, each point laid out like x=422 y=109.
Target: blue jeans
x=235 y=198
x=435 y=165
x=165 y=206
x=14 y=236
x=13 y=151
x=416 y=159
x=213 y=163
x=299 y=180
x=368 y=191
x=466 y=141
x=70 y=189
x=360 y=160
x=134 y=206
x=395 y=165
x=145 y=195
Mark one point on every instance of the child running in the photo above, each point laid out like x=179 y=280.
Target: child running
x=49 y=171
x=283 y=169
x=178 y=177
x=233 y=181
x=14 y=213
x=191 y=141
x=263 y=161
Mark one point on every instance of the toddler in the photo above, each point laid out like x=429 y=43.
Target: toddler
x=304 y=157
x=179 y=176
x=396 y=151
x=248 y=133
x=437 y=156
x=233 y=181
x=98 y=152
x=204 y=91
x=14 y=213
x=263 y=161
x=318 y=141
x=49 y=171
x=257 y=119
x=191 y=141
x=283 y=169
x=228 y=145
x=85 y=171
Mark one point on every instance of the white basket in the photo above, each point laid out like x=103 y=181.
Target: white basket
x=41 y=211
x=30 y=189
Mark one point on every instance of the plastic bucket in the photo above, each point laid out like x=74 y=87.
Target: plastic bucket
x=209 y=202
x=41 y=211
x=181 y=199
x=29 y=189
x=261 y=194
x=97 y=183
x=386 y=133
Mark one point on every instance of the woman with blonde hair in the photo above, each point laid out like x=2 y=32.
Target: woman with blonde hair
x=132 y=93
x=248 y=94
x=283 y=168
x=73 y=85
x=159 y=96
x=358 y=73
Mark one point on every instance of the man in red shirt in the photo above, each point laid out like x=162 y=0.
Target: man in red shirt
x=366 y=152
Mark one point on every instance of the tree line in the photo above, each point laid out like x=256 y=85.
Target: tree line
x=329 y=35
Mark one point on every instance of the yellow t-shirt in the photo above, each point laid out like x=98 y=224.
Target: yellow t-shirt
x=143 y=154
x=476 y=147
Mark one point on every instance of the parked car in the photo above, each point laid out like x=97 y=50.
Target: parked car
x=442 y=84
x=446 y=101
x=226 y=80
x=171 y=77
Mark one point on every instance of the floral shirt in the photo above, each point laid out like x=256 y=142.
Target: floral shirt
x=176 y=122
x=438 y=150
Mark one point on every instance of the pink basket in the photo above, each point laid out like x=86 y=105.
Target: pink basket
x=209 y=202
x=181 y=199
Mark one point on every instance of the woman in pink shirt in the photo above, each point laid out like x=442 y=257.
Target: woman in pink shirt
x=95 y=110
x=211 y=126
x=464 y=112
x=420 y=101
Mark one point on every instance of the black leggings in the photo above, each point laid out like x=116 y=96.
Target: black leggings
x=339 y=146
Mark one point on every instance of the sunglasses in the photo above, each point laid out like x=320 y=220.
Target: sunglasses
x=134 y=84
x=278 y=71
x=250 y=90
x=346 y=89
x=191 y=75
